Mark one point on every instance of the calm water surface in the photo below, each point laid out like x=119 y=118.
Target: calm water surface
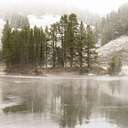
x=82 y=102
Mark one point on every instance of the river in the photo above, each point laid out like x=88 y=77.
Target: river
x=63 y=102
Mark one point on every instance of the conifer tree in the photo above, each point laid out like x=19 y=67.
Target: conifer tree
x=90 y=48
x=63 y=30
x=54 y=44
x=81 y=42
x=47 y=47
x=72 y=34
x=6 y=44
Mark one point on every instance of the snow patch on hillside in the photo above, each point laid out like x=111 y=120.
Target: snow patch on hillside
x=114 y=46
x=117 y=47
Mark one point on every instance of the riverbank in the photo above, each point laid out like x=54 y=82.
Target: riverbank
x=41 y=71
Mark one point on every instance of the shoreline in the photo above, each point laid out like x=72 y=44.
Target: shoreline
x=65 y=76
x=56 y=71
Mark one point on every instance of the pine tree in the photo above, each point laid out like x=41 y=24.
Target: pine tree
x=6 y=44
x=42 y=47
x=54 y=44
x=63 y=30
x=15 y=48
x=81 y=42
x=72 y=34
x=47 y=47
x=31 y=48
x=36 y=45
x=90 y=48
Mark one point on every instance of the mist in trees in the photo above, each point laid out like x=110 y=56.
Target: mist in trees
x=17 y=21
x=113 y=25
x=65 y=44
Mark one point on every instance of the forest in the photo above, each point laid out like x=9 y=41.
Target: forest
x=67 y=44
x=71 y=43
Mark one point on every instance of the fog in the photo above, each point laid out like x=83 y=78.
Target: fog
x=101 y=7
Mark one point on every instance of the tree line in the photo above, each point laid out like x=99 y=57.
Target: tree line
x=66 y=43
x=113 y=25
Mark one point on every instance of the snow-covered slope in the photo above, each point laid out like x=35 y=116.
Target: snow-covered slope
x=117 y=47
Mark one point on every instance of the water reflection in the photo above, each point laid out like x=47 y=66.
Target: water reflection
x=68 y=103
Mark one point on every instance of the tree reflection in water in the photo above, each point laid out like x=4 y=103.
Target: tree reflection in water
x=68 y=102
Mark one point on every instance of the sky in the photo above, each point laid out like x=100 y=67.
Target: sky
x=101 y=7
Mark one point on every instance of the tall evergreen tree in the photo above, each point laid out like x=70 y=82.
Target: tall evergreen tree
x=54 y=44
x=31 y=48
x=72 y=34
x=90 y=48
x=63 y=30
x=47 y=46
x=81 y=42
x=6 y=44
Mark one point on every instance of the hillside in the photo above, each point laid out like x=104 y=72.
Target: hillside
x=117 y=47
x=113 y=25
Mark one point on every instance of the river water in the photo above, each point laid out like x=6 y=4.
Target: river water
x=63 y=102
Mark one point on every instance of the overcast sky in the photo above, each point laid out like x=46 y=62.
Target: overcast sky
x=100 y=7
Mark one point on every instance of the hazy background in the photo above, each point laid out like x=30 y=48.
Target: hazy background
x=100 y=7
x=46 y=12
